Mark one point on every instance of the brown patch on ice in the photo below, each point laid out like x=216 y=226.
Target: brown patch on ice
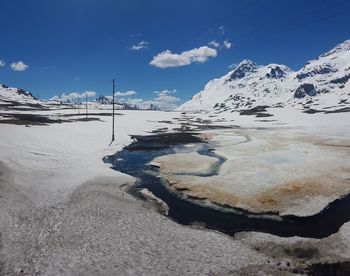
x=270 y=171
x=275 y=199
x=214 y=195
x=270 y=200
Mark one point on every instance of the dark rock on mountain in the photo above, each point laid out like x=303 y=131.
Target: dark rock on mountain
x=306 y=89
x=104 y=100
x=341 y=80
x=21 y=91
x=276 y=73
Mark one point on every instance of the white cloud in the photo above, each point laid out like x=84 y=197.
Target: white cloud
x=139 y=46
x=222 y=29
x=214 y=44
x=125 y=94
x=165 y=91
x=164 y=100
x=19 y=66
x=227 y=44
x=168 y=59
x=73 y=96
x=88 y=94
x=2 y=63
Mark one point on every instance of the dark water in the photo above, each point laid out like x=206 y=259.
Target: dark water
x=133 y=159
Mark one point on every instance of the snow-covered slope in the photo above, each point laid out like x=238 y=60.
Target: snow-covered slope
x=10 y=95
x=321 y=83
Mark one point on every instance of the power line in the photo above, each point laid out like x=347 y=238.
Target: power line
x=205 y=30
x=312 y=11
x=296 y=27
x=217 y=22
x=175 y=70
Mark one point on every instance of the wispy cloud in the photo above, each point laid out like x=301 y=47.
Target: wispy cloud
x=164 y=100
x=135 y=35
x=125 y=94
x=19 y=66
x=222 y=29
x=139 y=46
x=2 y=63
x=44 y=68
x=197 y=55
x=214 y=44
x=226 y=44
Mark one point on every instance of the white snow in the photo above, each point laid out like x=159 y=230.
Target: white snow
x=64 y=212
x=51 y=160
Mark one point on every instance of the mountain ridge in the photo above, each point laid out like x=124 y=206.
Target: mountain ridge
x=321 y=82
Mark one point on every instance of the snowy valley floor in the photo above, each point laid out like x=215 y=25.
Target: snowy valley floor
x=63 y=211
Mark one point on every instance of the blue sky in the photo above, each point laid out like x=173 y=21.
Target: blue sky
x=79 y=45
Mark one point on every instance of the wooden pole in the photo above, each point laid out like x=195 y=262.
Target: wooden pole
x=86 y=104
x=113 y=111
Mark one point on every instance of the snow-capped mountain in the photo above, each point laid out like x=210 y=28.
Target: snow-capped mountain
x=323 y=82
x=104 y=100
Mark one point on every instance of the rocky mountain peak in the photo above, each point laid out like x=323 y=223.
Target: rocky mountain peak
x=342 y=47
x=243 y=69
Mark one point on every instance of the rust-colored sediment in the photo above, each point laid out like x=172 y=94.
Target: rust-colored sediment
x=330 y=180
x=271 y=200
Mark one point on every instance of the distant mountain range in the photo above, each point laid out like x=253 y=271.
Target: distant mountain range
x=322 y=84
x=14 y=97
x=108 y=100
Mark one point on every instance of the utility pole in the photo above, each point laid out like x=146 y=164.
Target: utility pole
x=113 y=111
x=86 y=104
x=78 y=103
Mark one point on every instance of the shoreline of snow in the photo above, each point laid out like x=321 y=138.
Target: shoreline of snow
x=51 y=160
x=69 y=224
